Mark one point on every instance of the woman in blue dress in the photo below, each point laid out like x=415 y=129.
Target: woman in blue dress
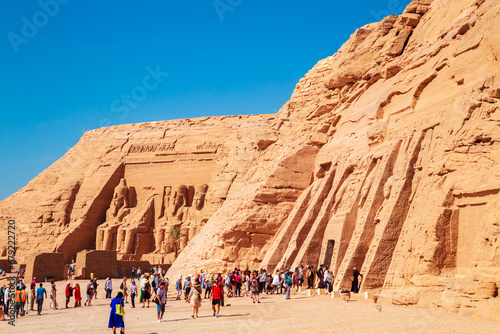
x=115 y=320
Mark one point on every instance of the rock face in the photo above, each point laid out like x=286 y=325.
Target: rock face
x=123 y=188
x=385 y=158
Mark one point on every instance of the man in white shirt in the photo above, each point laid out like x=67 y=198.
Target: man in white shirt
x=109 y=288
x=6 y=299
x=276 y=282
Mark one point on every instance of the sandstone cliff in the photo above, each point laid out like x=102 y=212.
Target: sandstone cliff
x=385 y=158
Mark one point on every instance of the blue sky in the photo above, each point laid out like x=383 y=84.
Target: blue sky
x=68 y=66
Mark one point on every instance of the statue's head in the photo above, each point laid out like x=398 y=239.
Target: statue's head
x=199 y=196
x=178 y=196
x=123 y=182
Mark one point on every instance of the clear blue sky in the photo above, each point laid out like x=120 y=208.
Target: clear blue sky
x=67 y=69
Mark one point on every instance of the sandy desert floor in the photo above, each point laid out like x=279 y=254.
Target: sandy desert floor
x=274 y=315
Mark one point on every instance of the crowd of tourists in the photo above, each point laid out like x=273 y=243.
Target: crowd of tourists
x=152 y=287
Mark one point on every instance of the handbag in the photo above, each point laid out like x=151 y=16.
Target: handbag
x=119 y=309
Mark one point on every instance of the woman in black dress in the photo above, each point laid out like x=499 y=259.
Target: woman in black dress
x=146 y=295
x=355 y=283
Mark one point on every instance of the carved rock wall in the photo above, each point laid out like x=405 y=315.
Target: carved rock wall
x=385 y=158
x=393 y=151
x=66 y=206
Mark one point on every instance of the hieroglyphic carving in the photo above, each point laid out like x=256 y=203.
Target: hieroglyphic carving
x=209 y=146
x=151 y=148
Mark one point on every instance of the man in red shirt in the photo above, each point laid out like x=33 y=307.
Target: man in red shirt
x=217 y=292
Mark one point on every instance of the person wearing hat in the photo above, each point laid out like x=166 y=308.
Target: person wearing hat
x=68 y=293
x=89 y=293
x=187 y=288
x=146 y=290
x=195 y=298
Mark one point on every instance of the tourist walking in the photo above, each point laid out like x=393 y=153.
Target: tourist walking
x=138 y=273
x=146 y=294
x=195 y=299
x=355 y=282
x=6 y=298
x=95 y=288
x=246 y=284
x=133 y=293
x=237 y=281
x=178 y=288
x=208 y=287
x=276 y=282
x=301 y=275
x=124 y=289
x=288 y=284
x=32 y=296
x=89 y=293
x=161 y=300
x=24 y=298
x=17 y=301
x=310 y=277
x=108 y=287
x=78 y=296
x=53 y=296
x=187 y=287
x=40 y=294
x=255 y=289
x=295 y=279
x=68 y=293
x=319 y=273
x=116 y=314
x=217 y=298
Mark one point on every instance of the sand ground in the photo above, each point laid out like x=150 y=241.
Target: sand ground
x=274 y=315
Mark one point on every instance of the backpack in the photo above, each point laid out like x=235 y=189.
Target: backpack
x=288 y=281
x=121 y=286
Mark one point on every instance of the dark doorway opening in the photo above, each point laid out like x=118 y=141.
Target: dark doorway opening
x=329 y=252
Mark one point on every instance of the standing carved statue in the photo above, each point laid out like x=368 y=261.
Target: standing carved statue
x=118 y=209
x=387 y=193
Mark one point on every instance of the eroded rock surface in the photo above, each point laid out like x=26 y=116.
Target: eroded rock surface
x=385 y=158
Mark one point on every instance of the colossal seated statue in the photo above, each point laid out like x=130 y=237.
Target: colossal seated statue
x=118 y=209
